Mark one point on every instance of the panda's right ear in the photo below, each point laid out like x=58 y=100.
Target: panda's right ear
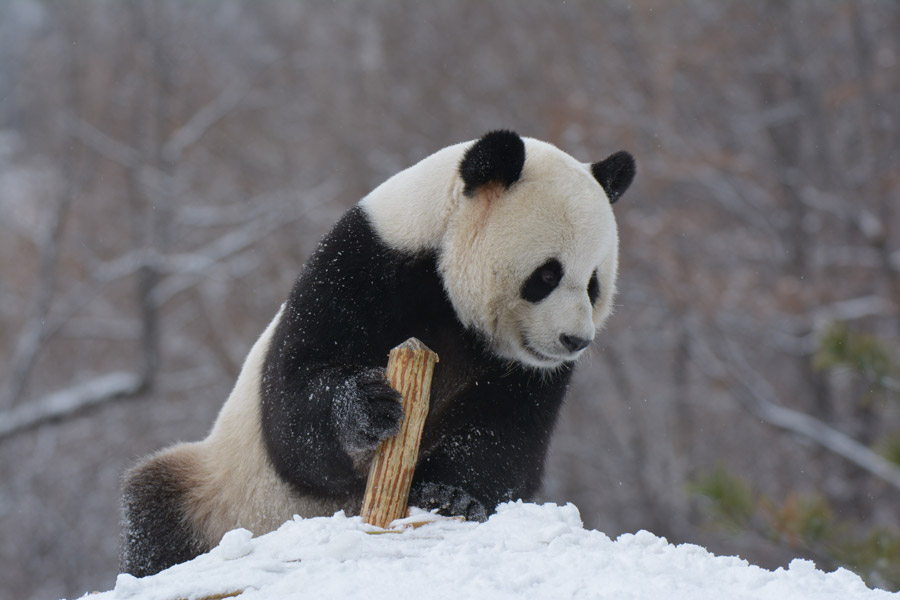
x=498 y=157
x=615 y=173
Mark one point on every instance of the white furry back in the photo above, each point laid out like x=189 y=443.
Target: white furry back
x=236 y=485
x=410 y=210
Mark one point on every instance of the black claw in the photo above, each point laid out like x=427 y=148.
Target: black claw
x=449 y=500
x=373 y=413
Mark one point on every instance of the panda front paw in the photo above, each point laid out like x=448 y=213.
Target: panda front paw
x=371 y=412
x=449 y=500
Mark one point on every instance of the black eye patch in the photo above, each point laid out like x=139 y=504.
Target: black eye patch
x=593 y=288
x=542 y=281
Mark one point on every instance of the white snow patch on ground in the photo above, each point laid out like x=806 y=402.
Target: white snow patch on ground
x=523 y=551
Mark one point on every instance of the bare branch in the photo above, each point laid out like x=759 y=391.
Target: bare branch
x=102 y=144
x=798 y=334
x=890 y=384
x=34 y=331
x=187 y=269
x=760 y=400
x=126 y=265
x=69 y=402
x=100 y=328
x=201 y=121
x=204 y=119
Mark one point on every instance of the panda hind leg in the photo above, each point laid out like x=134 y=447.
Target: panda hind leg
x=156 y=533
x=449 y=500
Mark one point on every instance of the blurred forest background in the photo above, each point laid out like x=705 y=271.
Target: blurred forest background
x=166 y=167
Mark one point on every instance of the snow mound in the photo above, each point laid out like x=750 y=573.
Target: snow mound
x=523 y=551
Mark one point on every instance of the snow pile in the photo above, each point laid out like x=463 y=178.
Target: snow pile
x=523 y=551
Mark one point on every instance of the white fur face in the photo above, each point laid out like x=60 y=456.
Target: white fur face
x=556 y=214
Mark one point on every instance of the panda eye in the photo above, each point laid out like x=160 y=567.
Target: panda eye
x=542 y=281
x=593 y=288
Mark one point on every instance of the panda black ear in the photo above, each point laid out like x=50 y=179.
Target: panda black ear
x=615 y=174
x=498 y=157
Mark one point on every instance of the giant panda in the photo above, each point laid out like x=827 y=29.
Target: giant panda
x=500 y=254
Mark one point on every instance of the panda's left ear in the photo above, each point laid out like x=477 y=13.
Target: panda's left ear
x=498 y=157
x=615 y=174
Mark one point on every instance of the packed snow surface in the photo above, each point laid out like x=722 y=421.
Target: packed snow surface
x=523 y=551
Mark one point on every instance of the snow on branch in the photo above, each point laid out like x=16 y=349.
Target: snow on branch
x=68 y=402
x=854 y=308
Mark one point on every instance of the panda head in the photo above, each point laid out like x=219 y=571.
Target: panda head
x=529 y=253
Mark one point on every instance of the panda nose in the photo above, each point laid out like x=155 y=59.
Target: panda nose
x=573 y=343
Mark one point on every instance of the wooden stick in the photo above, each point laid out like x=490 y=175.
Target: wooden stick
x=409 y=371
